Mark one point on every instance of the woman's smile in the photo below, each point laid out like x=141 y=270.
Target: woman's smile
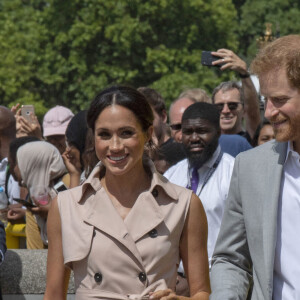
x=119 y=140
x=117 y=159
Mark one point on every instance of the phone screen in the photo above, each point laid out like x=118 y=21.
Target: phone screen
x=61 y=188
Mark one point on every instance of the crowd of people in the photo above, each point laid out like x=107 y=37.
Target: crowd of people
x=142 y=202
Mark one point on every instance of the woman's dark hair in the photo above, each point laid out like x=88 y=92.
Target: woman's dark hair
x=89 y=156
x=124 y=96
x=81 y=137
x=77 y=130
x=257 y=132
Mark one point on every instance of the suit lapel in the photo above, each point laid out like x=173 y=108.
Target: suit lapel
x=102 y=215
x=271 y=197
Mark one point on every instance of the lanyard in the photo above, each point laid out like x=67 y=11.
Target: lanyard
x=208 y=175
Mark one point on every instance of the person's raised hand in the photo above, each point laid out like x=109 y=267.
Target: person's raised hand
x=32 y=128
x=72 y=162
x=28 y=128
x=229 y=60
x=15 y=108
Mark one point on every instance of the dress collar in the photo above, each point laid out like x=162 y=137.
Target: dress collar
x=157 y=179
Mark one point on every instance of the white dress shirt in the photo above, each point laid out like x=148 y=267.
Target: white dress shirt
x=213 y=194
x=286 y=283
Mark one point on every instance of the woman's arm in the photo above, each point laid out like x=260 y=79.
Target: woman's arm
x=57 y=273
x=193 y=252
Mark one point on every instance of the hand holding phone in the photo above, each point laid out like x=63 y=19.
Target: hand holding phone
x=27 y=111
x=27 y=123
x=207 y=59
x=227 y=59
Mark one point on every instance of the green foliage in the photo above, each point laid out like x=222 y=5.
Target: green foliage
x=283 y=14
x=64 y=52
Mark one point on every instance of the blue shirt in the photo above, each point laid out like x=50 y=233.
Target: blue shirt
x=233 y=144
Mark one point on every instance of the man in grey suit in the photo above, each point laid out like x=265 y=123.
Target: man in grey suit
x=260 y=233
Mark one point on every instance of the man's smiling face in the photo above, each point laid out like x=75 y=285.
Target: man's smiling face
x=282 y=105
x=230 y=114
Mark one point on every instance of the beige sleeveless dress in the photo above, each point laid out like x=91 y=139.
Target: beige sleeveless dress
x=114 y=258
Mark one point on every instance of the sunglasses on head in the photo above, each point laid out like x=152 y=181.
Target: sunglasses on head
x=175 y=127
x=231 y=105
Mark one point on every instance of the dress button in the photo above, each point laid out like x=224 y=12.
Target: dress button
x=153 y=233
x=155 y=193
x=142 y=277
x=98 y=277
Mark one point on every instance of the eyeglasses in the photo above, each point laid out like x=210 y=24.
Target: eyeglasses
x=231 y=105
x=176 y=127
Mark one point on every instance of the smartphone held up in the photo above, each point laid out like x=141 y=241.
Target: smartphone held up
x=27 y=111
x=207 y=59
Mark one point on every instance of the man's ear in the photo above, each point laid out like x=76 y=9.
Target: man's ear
x=149 y=133
x=164 y=117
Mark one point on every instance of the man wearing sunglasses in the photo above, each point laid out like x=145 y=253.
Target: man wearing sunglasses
x=228 y=99
x=176 y=110
x=234 y=101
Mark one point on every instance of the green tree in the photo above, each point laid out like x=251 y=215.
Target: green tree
x=21 y=37
x=283 y=14
x=64 y=52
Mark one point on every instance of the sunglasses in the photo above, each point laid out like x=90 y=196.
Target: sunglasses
x=175 y=127
x=231 y=105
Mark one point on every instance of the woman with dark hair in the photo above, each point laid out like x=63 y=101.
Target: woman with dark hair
x=124 y=231
x=79 y=156
x=263 y=133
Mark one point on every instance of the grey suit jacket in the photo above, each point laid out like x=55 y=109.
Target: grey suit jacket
x=245 y=248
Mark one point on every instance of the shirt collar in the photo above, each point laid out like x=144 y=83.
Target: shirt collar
x=93 y=180
x=4 y=162
x=213 y=159
x=291 y=153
